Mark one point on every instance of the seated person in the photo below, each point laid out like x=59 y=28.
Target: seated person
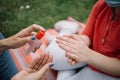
x=102 y=48
x=8 y=68
x=61 y=65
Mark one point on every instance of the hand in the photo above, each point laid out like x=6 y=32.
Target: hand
x=23 y=36
x=76 y=48
x=36 y=69
x=69 y=18
x=74 y=20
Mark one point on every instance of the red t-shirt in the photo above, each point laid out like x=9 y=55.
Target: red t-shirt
x=103 y=31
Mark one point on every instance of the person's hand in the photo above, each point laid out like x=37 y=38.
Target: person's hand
x=75 y=47
x=74 y=20
x=69 y=18
x=36 y=70
x=23 y=36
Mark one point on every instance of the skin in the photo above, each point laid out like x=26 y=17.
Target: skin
x=77 y=50
x=36 y=70
x=19 y=39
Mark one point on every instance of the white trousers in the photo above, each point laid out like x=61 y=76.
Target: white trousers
x=87 y=74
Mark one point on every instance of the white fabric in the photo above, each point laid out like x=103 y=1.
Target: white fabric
x=65 y=74
x=63 y=26
x=59 y=59
x=88 y=74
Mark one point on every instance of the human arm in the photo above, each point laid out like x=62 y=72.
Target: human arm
x=80 y=52
x=19 y=39
x=36 y=70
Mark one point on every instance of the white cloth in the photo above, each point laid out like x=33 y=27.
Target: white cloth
x=59 y=59
x=69 y=26
x=65 y=70
x=87 y=74
x=65 y=74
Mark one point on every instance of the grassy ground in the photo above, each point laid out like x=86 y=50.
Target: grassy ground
x=46 y=13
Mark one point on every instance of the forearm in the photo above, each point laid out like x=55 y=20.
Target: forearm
x=106 y=64
x=4 y=44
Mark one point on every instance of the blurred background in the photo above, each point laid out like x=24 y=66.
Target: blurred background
x=18 y=14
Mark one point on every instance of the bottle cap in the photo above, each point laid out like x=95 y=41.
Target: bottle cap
x=40 y=34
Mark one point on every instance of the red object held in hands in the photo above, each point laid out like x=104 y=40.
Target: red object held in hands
x=40 y=34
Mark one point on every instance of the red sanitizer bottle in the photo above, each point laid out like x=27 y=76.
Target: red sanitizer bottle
x=35 y=44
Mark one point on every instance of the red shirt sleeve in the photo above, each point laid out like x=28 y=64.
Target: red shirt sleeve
x=89 y=29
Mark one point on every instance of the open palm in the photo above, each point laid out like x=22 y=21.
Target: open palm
x=36 y=69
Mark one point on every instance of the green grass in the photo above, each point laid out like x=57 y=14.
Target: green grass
x=45 y=13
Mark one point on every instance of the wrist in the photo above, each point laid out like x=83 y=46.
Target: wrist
x=10 y=42
x=90 y=56
x=93 y=57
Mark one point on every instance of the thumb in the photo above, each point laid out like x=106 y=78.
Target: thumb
x=43 y=70
x=20 y=42
x=27 y=39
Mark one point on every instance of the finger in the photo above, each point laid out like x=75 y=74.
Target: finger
x=65 y=39
x=73 y=57
x=70 y=18
x=36 y=67
x=25 y=40
x=59 y=41
x=21 y=41
x=43 y=70
x=67 y=53
x=70 y=36
x=34 y=62
x=50 y=59
x=67 y=48
x=34 y=27
x=71 y=61
x=44 y=61
x=75 y=37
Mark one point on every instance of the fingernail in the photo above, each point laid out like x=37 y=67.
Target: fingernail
x=51 y=65
x=33 y=38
